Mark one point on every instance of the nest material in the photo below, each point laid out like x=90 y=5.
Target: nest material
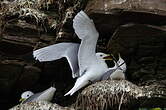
x=40 y=105
x=109 y=94
x=32 y=11
x=26 y=8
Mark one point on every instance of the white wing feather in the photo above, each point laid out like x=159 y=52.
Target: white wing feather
x=86 y=31
x=57 y=51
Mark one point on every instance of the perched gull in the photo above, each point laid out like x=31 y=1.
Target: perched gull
x=117 y=75
x=118 y=71
x=85 y=63
x=46 y=95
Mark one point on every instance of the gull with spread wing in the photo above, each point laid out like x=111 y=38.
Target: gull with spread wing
x=85 y=63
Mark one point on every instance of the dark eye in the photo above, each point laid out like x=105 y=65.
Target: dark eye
x=28 y=95
x=101 y=55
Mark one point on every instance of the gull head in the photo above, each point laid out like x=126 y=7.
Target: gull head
x=25 y=95
x=104 y=56
x=120 y=61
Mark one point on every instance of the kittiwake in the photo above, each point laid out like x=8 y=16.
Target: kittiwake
x=116 y=72
x=46 y=95
x=119 y=72
x=85 y=63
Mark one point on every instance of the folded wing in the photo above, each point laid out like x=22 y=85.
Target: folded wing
x=46 y=95
x=115 y=72
x=109 y=72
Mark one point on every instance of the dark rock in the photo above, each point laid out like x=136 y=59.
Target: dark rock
x=107 y=7
x=9 y=74
x=14 y=74
x=141 y=46
x=15 y=48
x=29 y=77
x=22 y=28
x=109 y=15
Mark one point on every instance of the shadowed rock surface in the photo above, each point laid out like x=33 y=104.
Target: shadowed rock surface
x=136 y=29
x=143 y=48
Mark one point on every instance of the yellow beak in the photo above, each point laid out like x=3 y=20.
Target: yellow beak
x=109 y=57
x=22 y=99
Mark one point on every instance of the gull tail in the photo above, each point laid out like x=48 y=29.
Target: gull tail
x=78 y=85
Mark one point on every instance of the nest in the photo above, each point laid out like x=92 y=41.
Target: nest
x=40 y=105
x=109 y=94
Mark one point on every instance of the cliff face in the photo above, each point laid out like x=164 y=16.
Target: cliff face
x=136 y=29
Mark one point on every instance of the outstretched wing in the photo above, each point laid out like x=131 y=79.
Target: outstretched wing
x=57 y=51
x=86 y=31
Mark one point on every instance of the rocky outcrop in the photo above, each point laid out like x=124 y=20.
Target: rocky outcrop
x=134 y=28
x=109 y=15
x=143 y=48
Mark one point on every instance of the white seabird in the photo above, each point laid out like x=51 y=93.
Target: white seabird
x=85 y=63
x=117 y=72
x=91 y=65
x=46 y=95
